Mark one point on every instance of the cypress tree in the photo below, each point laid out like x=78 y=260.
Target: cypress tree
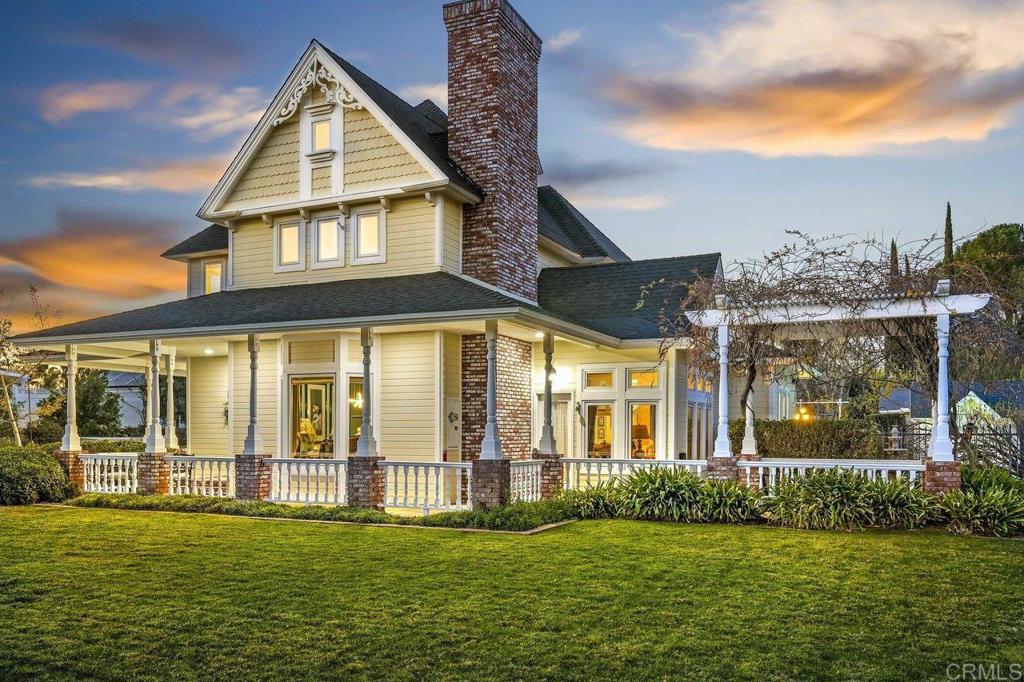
x=894 y=263
x=947 y=259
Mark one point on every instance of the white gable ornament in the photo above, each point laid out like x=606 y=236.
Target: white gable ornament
x=331 y=87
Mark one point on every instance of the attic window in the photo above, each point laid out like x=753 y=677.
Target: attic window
x=321 y=136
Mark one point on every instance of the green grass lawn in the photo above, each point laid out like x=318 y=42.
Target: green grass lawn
x=102 y=594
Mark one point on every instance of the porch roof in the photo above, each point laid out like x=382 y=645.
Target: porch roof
x=430 y=297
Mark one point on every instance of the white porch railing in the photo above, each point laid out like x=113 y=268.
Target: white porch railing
x=586 y=472
x=308 y=481
x=193 y=475
x=767 y=472
x=526 y=478
x=430 y=486
x=111 y=472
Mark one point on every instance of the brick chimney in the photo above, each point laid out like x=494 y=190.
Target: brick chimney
x=492 y=135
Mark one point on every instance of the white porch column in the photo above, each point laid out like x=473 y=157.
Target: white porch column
x=70 y=442
x=490 y=448
x=722 y=447
x=749 y=446
x=253 y=442
x=547 y=432
x=154 y=434
x=149 y=391
x=170 y=433
x=366 y=446
x=941 y=445
x=695 y=416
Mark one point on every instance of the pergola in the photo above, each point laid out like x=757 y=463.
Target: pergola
x=795 y=316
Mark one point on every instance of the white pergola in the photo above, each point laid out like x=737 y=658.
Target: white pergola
x=940 y=305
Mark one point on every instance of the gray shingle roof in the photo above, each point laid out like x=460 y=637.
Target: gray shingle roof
x=211 y=238
x=604 y=297
x=435 y=292
x=563 y=223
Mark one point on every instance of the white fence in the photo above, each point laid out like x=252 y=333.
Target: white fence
x=767 y=472
x=586 y=472
x=308 y=481
x=526 y=480
x=210 y=476
x=111 y=472
x=430 y=486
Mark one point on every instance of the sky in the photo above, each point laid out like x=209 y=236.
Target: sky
x=678 y=128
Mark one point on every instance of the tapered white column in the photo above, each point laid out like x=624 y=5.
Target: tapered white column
x=722 y=447
x=70 y=442
x=253 y=442
x=155 y=442
x=941 y=445
x=149 y=392
x=366 y=446
x=170 y=432
x=490 y=448
x=749 y=446
x=547 y=431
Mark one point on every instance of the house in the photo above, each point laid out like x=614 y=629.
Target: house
x=982 y=403
x=386 y=310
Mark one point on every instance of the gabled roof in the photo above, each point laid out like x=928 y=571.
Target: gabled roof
x=211 y=238
x=605 y=297
x=1005 y=397
x=562 y=223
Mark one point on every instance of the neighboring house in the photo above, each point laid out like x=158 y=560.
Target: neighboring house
x=355 y=235
x=129 y=387
x=995 y=402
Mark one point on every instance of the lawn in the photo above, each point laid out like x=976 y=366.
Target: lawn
x=103 y=594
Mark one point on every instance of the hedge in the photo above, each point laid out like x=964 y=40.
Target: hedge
x=839 y=438
x=29 y=475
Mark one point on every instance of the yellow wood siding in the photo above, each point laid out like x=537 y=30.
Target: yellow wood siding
x=452 y=376
x=759 y=401
x=207 y=395
x=195 y=278
x=411 y=249
x=451 y=247
x=567 y=358
x=679 y=412
x=321 y=186
x=546 y=258
x=268 y=382
x=273 y=175
x=408 y=396
x=320 y=350
x=373 y=157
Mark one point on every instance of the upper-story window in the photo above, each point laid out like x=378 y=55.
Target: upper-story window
x=289 y=246
x=328 y=243
x=321 y=136
x=213 y=273
x=370 y=237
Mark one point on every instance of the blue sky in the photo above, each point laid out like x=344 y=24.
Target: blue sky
x=677 y=128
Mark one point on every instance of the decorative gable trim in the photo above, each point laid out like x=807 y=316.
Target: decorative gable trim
x=316 y=68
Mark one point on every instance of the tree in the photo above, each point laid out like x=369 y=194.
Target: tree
x=98 y=410
x=999 y=253
x=947 y=256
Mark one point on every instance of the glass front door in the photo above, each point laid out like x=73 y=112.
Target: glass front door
x=312 y=407
x=600 y=429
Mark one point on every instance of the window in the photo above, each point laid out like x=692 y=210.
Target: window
x=312 y=417
x=368 y=243
x=643 y=378
x=355 y=412
x=600 y=380
x=600 y=429
x=328 y=240
x=321 y=136
x=289 y=247
x=212 y=274
x=642 y=428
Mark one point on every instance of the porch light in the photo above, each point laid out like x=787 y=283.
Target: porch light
x=357 y=402
x=207 y=351
x=539 y=335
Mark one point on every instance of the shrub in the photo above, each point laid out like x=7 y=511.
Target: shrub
x=728 y=502
x=29 y=475
x=597 y=502
x=853 y=438
x=831 y=499
x=993 y=511
x=518 y=516
x=981 y=478
x=114 y=446
x=899 y=503
x=661 y=494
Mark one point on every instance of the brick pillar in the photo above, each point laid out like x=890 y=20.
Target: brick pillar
x=252 y=477
x=492 y=483
x=551 y=482
x=74 y=467
x=365 y=480
x=755 y=474
x=515 y=384
x=153 y=473
x=941 y=477
x=722 y=469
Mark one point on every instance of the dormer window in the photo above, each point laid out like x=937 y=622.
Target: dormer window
x=321 y=136
x=213 y=272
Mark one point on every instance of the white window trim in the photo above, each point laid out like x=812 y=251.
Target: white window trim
x=293 y=267
x=382 y=257
x=621 y=396
x=202 y=271
x=338 y=262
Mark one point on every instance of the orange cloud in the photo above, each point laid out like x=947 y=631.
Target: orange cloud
x=62 y=102
x=188 y=175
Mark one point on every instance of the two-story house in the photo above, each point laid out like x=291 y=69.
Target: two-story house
x=386 y=279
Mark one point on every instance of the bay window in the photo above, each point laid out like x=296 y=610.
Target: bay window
x=621 y=411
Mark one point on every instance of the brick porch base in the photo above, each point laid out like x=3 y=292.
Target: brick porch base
x=74 y=467
x=252 y=477
x=154 y=475
x=492 y=483
x=941 y=477
x=365 y=480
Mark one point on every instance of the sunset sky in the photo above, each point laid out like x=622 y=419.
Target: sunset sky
x=676 y=127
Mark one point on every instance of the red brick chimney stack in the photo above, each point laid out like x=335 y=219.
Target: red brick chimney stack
x=492 y=135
